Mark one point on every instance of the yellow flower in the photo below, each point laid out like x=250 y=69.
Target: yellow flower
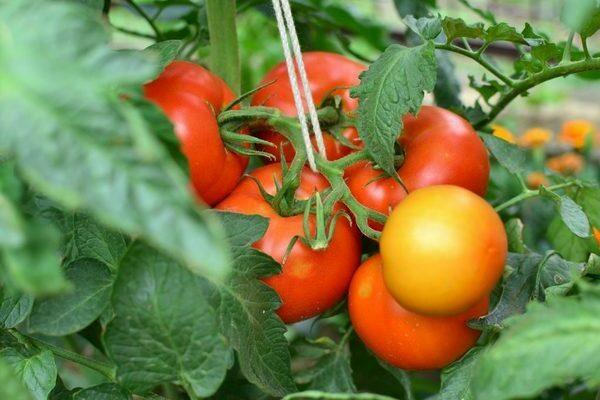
x=536 y=179
x=566 y=164
x=535 y=137
x=503 y=133
x=576 y=132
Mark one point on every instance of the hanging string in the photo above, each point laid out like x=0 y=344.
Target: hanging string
x=285 y=23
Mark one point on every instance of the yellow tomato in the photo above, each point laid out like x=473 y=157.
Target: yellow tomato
x=443 y=250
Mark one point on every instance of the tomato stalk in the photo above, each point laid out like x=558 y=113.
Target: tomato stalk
x=224 y=54
x=283 y=201
x=528 y=193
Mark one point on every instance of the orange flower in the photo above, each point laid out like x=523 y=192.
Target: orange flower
x=503 y=133
x=576 y=132
x=566 y=164
x=597 y=235
x=536 y=179
x=535 y=137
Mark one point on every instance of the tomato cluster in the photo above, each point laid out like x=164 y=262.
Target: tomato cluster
x=442 y=249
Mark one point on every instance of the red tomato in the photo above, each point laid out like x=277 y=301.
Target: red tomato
x=311 y=281
x=440 y=148
x=191 y=96
x=402 y=338
x=328 y=73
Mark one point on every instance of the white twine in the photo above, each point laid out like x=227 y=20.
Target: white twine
x=285 y=23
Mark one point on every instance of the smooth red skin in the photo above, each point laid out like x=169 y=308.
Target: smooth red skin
x=311 y=281
x=404 y=339
x=440 y=148
x=191 y=96
x=326 y=72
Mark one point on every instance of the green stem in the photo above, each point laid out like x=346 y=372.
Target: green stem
x=350 y=159
x=106 y=369
x=159 y=36
x=524 y=85
x=567 y=52
x=224 y=54
x=532 y=193
x=477 y=57
x=134 y=33
x=586 y=51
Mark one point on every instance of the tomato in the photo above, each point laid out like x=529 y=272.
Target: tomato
x=440 y=148
x=443 y=250
x=311 y=281
x=328 y=74
x=190 y=96
x=404 y=339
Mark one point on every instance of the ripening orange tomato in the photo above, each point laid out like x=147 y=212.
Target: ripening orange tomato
x=443 y=250
x=597 y=235
x=402 y=338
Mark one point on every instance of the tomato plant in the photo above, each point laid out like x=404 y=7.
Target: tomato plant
x=154 y=244
x=305 y=287
x=402 y=338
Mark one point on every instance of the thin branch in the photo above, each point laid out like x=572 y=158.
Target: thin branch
x=150 y=21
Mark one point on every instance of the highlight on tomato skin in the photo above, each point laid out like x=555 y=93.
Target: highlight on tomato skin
x=400 y=337
x=311 y=281
x=443 y=248
x=190 y=96
x=440 y=147
x=328 y=74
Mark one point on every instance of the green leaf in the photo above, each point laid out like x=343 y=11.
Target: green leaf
x=553 y=342
x=427 y=27
x=392 y=86
x=330 y=371
x=164 y=329
x=14 y=308
x=71 y=312
x=243 y=230
x=34 y=267
x=248 y=319
x=418 y=8
x=529 y=275
x=401 y=376
x=167 y=51
x=581 y=16
x=455 y=28
x=456 y=379
x=514 y=232
x=571 y=213
x=11 y=387
x=92 y=150
x=508 y=155
x=104 y=391
x=36 y=371
x=503 y=32
x=568 y=244
x=86 y=238
x=60 y=392
x=316 y=395
x=447 y=87
x=247 y=309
